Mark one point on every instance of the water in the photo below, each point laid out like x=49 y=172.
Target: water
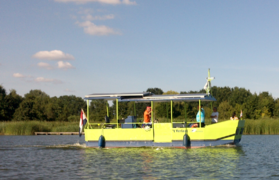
x=66 y=157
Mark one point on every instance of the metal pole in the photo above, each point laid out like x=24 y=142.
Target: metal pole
x=135 y=113
x=152 y=114
x=185 y=111
x=171 y=111
x=200 y=111
x=167 y=111
x=88 y=110
x=116 y=101
x=107 y=109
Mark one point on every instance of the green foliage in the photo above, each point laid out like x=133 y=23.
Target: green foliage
x=24 y=128
x=30 y=127
x=156 y=91
x=37 y=105
x=261 y=126
x=73 y=118
x=98 y=110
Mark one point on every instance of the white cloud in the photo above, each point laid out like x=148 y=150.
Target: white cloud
x=45 y=65
x=42 y=79
x=53 y=55
x=91 y=18
x=92 y=29
x=64 y=65
x=68 y=90
x=112 y=2
x=128 y=2
x=18 y=75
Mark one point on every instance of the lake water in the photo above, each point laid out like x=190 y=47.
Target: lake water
x=66 y=157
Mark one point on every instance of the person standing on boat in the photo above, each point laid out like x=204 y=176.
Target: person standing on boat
x=234 y=117
x=147 y=115
x=198 y=118
x=214 y=116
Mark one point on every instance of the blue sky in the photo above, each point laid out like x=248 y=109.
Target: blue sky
x=66 y=47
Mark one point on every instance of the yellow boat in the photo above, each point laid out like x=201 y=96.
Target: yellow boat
x=129 y=133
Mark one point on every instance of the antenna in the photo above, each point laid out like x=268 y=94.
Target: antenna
x=207 y=86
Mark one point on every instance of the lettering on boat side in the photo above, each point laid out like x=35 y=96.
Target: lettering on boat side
x=185 y=131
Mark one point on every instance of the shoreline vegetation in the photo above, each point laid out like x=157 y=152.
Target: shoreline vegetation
x=252 y=127
x=36 y=111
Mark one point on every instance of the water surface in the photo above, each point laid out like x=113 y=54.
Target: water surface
x=52 y=157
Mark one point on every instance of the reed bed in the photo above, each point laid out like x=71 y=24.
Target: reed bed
x=30 y=127
x=252 y=127
x=262 y=126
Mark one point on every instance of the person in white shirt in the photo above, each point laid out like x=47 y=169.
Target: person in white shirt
x=214 y=116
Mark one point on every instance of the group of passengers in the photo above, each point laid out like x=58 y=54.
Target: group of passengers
x=214 y=117
x=199 y=117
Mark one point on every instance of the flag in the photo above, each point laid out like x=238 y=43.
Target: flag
x=82 y=121
x=241 y=114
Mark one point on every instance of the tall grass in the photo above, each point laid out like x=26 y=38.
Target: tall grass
x=261 y=126
x=30 y=127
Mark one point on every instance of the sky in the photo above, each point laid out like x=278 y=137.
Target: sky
x=79 y=47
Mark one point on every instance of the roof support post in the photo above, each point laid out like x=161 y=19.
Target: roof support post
x=167 y=111
x=200 y=111
x=185 y=112
x=107 y=109
x=135 y=113
x=152 y=114
x=88 y=110
x=116 y=101
x=171 y=111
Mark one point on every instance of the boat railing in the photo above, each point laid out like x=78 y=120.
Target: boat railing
x=100 y=125
x=104 y=125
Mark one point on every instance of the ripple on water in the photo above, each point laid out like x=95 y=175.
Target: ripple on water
x=49 y=157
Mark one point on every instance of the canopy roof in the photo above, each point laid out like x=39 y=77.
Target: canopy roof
x=148 y=96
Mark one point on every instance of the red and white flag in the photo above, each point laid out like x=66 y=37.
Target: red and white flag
x=82 y=121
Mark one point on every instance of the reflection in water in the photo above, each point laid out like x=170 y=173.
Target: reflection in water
x=152 y=163
x=66 y=157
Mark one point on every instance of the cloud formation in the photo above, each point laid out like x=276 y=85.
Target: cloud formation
x=42 y=79
x=112 y=2
x=64 y=65
x=28 y=78
x=92 y=29
x=92 y=18
x=45 y=65
x=18 y=75
x=68 y=90
x=53 y=55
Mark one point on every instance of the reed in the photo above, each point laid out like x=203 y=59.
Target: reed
x=30 y=127
x=262 y=126
x=252 y=127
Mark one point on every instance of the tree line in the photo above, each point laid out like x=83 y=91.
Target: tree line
x=37 y=105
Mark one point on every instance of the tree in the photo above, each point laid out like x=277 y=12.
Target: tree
x=69 y=106
x=2 y=102
x=12 y=102
x=33 y=106
x=276 y=109
x=155 y=90
x=266 y=104
x=98 y=110
x=225 y=111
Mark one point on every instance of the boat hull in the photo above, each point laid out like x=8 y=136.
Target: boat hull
x=163 y=135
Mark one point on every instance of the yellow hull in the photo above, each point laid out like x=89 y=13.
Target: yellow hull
x=227 y=132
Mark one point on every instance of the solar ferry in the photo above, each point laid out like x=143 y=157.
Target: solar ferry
x=131 y=133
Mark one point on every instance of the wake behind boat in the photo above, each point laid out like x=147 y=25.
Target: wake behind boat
x=130 y=133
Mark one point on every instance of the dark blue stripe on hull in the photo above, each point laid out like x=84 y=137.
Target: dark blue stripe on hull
x=153 y=144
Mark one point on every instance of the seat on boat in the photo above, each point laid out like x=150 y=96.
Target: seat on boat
x=108 y=126
x=178 y=125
